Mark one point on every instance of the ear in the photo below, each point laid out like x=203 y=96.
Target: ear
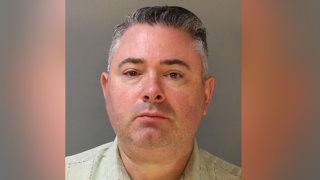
x=103 y=83
x=208 y=93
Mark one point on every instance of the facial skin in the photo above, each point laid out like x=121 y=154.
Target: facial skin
x=154 y=93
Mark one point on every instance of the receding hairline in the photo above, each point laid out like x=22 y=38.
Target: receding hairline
x=194 y=41
x=146 y=25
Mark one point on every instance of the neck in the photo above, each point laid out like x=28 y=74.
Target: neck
x=155 y=163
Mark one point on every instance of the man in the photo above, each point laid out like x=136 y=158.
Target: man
x=156 y=90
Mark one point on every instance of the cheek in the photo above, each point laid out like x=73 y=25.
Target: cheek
x=116 y=106
x=188 y=105
x=120 y=100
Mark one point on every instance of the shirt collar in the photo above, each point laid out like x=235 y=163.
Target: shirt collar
x=194 y=167
x=115 y=168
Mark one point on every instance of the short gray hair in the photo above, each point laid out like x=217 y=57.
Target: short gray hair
x=171 y=16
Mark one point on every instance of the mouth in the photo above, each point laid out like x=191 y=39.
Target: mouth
x=151 y=116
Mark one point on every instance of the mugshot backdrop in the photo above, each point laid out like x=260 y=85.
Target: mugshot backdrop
x=89 y=27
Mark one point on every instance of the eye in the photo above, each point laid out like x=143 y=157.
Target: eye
x=131 y=73
x=174 y=75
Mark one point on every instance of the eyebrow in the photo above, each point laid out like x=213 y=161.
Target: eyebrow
x=131 y=60
x=174 y=62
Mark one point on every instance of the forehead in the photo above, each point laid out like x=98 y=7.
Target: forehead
x=156 y=42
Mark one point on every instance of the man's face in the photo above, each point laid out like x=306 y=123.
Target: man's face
x=155 y=95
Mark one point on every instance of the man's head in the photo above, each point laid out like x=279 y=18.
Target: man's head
x=156 y=89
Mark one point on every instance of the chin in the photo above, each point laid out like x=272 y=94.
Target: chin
x=152 y=139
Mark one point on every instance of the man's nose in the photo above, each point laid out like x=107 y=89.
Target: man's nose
x=153 y=92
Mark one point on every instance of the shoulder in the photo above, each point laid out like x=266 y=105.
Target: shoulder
x=81 y=165
x=219 y=168
x=88 y=155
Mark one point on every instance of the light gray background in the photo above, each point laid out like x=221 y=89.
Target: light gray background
x=89 y=29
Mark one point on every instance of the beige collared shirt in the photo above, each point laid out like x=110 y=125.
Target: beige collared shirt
x=104 y=162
